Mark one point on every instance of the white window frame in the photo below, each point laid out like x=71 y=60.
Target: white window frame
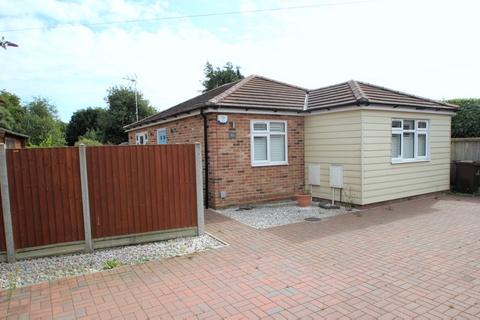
x=267 y=133
x=145 y=137
x=158 y=138
x=400 y=131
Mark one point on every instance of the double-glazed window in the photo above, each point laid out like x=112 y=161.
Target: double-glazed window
x=409 y=140
x=269 y=142
x=162 y=136
x=141 y=138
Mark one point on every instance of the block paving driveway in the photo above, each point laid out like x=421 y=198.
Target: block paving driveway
x=416 y=259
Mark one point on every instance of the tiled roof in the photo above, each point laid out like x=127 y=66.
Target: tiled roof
x=361 y=93
x=256 y=92
x=184 y=107
x=260 y=92
x=251 y=92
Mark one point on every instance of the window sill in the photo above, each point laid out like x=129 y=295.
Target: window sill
x=269 y=164
x=410 y=161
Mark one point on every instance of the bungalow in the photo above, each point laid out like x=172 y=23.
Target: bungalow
x=266 y=140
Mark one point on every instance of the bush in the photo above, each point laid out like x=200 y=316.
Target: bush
x=89 y=139
x=466 y=123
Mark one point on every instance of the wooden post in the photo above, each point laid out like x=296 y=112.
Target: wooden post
x=7 y=214
x=85 y=198
x=199 y=181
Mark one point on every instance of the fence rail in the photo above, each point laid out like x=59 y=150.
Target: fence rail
x=117 y=192
x=465 y=149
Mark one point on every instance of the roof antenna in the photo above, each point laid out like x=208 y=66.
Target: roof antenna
x=133 y=79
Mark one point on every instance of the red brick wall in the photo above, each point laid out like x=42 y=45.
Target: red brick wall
x=230 y=166
x=186 y=130
x=230 y=163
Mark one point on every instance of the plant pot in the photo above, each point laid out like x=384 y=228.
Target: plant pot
x=304 y=200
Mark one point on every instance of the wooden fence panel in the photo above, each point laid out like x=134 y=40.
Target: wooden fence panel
x=137 y=189
x=466 y=149
x=45 y=196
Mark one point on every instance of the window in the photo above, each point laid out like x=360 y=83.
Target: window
x=141 y=138
x=10 y=143
x=269 y=143
x=409 y=140
x=162 y=136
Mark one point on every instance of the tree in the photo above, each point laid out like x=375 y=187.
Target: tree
x=215 y=77
x=81 y=122
x=6 y=119
x=466 y=123
x=89 y=139
x=11 y=111
x=120 y=112
x=42 y=124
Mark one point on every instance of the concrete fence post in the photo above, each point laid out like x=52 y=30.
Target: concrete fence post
x=7 y=214
x=85 y=198
x=199 y=181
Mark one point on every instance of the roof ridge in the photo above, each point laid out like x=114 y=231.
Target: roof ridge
x=357 y=91
x=408 y=94
x=230 y=90
x=329 y=86
x=241 y=83
x=281 y=82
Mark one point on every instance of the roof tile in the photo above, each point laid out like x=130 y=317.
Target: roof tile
x=267 y=94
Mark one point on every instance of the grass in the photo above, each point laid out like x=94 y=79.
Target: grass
x=111 y=264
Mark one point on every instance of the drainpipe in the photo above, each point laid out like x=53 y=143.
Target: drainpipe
x=205 y=148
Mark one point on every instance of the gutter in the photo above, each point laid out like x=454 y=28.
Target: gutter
x=205 y=148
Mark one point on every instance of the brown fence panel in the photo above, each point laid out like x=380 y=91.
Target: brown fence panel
x=45 y=196
x=465 y=149
x=137 y=189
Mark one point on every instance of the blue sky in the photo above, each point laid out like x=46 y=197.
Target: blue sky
x=424 y=47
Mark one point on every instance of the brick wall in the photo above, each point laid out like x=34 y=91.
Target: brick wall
x=186 y=130
x=230 y=168
x=230 y=162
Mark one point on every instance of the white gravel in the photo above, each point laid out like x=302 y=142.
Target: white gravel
x=26 y=272
x=263 y=217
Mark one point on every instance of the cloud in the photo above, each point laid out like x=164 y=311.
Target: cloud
x=428 y=48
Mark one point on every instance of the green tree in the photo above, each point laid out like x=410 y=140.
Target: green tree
x=11 y=111
x=89 y=139
x=466 y=123
x=120 y=112
x=81 y=122
x=215 y=77
x=6 y=119
x=42 y=124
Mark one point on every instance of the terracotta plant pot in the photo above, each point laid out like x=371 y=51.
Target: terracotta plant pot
x=304 y=200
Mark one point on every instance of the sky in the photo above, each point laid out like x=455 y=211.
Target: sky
x=71 y=52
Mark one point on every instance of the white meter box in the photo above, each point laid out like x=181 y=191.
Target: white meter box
x=314 y=174
x=336 y=176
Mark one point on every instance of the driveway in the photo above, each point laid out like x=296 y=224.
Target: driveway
x=415 y=259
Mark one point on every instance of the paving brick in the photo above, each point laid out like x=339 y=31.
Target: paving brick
x=415 y=260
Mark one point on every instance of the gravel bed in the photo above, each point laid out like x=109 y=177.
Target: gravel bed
x=26 y=272
x=269 y=216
